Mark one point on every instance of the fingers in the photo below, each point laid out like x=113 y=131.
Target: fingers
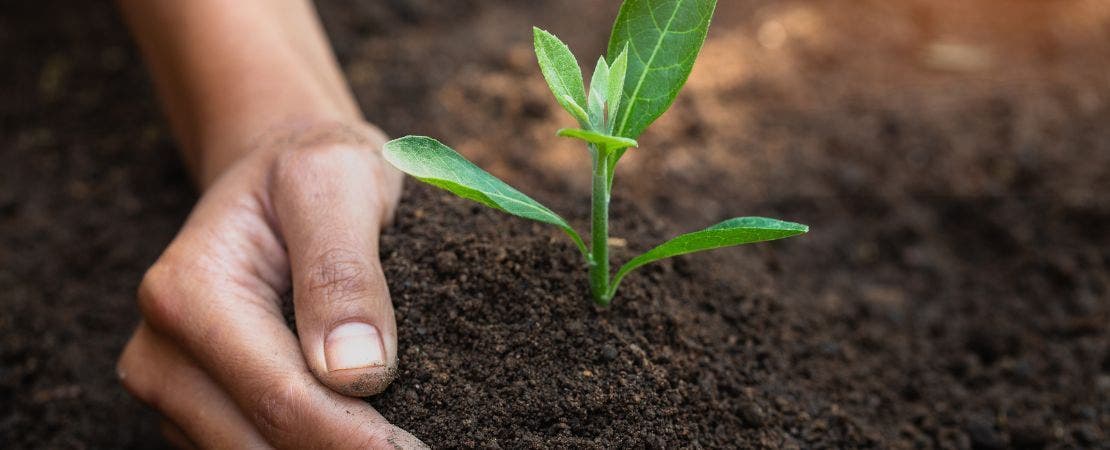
x=325 y=200
x=243 y=344
x=215 y=295
x=201 y=413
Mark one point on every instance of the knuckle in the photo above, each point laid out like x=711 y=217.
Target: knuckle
x=158 y=296
x=278 y=408
x=309 y=164
x=339 y=275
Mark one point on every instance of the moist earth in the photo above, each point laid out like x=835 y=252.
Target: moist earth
x=951 y=158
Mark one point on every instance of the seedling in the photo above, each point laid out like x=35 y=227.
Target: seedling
x=651 y=51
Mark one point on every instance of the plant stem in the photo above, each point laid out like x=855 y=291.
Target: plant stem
x=599 y=240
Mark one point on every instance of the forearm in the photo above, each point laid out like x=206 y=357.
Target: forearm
x=228 y=70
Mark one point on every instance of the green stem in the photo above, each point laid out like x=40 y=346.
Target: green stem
x=599 y=240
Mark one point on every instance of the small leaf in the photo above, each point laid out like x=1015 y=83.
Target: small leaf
x=576 y=111
x=562 y=73
x=742 y=230
x=430 y=161
x=605 y=141
x=599 y=96
x=663 y=38
x=615 y=91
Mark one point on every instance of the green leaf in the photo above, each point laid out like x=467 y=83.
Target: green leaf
x=599 y=96
x=606 y=90
x=576 y=111
x=430 y=161
x=741 y=230
x=562 y=73
x=615 y=91
x=605 y=141
x=663 y=38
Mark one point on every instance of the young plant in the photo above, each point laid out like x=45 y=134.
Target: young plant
x=651 y=52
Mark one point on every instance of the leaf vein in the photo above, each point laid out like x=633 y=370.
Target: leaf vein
x=643 y=75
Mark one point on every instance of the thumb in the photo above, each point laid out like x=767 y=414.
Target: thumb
x=327 y=205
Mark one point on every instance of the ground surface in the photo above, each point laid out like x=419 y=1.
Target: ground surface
x=951 y=157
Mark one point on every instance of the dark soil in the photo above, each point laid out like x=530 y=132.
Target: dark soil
x=504 y=345
x=951 y=157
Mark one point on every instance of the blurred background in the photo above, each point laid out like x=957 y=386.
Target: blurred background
x=951 y=156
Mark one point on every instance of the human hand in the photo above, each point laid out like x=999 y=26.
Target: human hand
x=213 y=353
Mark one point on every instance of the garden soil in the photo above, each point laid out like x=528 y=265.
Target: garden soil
x=952 y=159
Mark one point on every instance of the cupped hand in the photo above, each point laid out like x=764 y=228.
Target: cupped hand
x=213 y=353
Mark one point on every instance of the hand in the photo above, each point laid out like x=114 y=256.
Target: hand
x=213 y=353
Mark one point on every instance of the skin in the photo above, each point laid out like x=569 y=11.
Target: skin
x=295 y=193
